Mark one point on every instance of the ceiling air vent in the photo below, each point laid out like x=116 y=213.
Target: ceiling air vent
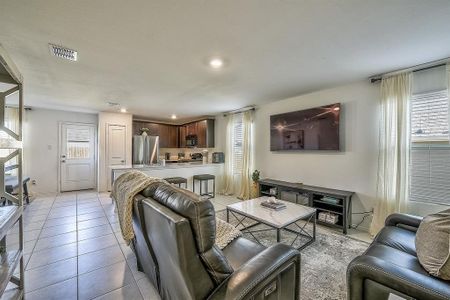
x=62 y=52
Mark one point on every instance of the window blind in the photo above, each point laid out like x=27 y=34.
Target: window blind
x=430 y=161
x=430 y=117
x=430 y=174
x=237 y=144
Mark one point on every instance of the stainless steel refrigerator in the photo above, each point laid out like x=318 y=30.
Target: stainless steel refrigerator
x=145 y=149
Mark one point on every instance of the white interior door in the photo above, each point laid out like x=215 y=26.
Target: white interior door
x=77 y=161
x=116 y=147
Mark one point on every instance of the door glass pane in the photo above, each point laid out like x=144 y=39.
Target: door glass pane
x=78 y=143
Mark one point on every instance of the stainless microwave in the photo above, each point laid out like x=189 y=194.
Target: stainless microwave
x=191 y=140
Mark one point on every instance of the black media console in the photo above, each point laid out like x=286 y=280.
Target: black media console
x=337 y=203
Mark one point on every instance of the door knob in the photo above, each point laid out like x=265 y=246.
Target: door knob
x=122 y=161
x=63 y=161
x=63 y=156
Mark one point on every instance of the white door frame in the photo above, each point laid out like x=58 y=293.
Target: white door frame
x=60 y=140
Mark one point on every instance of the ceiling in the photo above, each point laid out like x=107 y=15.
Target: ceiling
x=151 y=56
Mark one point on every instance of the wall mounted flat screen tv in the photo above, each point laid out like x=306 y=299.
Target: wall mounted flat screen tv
x=310 y=129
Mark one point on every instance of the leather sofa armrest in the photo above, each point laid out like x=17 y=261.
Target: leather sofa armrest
x=405 y=221
x=415 y=284
x=257 y=276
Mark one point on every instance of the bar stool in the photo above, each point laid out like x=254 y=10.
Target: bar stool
x=177 y=180
x=202 y=178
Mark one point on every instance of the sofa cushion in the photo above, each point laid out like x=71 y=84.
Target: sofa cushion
x=398 y=238
x=395 y=257
x=241 y=250
x=433 y=244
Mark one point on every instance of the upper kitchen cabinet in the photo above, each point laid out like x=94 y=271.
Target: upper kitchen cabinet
x=203 y=131
x=182 y=136
x=191 y=128
x=168 y=134
x=174 y=136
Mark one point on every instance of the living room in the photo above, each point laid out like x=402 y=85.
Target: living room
x=225 y=150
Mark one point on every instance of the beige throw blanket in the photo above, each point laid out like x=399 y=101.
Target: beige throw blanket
x=225 y=233
x=131 y=183
x=125 y=188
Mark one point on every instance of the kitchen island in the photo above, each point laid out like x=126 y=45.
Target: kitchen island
x=186 y=170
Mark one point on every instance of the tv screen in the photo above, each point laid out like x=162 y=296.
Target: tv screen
x=310 y=129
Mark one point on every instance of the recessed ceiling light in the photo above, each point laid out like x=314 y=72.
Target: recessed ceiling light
x=123 y=110
x=216 y=63
x=173 y=117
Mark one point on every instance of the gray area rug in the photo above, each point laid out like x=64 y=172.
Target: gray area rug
x=324 y=263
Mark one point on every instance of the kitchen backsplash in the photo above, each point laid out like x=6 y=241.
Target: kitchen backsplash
x=174 y=152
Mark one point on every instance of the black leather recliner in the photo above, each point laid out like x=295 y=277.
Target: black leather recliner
x=390 y=266
x=174 y=246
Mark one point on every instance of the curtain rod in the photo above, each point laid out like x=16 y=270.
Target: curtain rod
x=240 y=110
x=416 y=68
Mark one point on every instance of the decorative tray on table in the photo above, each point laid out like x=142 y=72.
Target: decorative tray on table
x=273 y=203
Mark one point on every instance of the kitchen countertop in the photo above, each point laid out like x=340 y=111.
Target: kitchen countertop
x=167 y=166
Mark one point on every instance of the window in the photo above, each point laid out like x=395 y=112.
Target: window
x=237 y=144
x=430 y=174
x=429 y=117
x=78 y=143
x=430 y=148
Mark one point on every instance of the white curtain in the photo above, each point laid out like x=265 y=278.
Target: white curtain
x=247 y=156
x=228 y=179
x=394 y=149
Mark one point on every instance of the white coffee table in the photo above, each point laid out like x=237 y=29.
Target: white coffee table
x=277 y=220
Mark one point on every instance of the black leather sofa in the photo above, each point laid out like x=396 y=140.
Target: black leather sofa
x=390 y=266
x=174 y=246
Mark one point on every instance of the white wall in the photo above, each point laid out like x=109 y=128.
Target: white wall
x=41 y=161
x=354 y=168
x=105 y=118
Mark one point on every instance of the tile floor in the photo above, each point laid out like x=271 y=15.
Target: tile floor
x=74 y=249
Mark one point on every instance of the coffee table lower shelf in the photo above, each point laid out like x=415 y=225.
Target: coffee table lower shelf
x=311 y=218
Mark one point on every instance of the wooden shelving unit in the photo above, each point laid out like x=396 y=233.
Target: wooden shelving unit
x=11 y=146
x=337 y=202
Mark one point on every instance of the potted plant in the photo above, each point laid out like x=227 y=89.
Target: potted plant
x=144 y=131
x=255 y=187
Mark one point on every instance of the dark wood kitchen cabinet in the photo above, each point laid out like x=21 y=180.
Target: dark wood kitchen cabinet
x=201 y=133
x=191 y=128
x=204 y=130
x=168 y=134
x=182 y=136
x=174 y=136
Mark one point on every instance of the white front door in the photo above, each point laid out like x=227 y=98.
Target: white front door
x=77 y=156
x=116 y=147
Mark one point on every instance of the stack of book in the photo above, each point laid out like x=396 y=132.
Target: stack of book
x=275 y=205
